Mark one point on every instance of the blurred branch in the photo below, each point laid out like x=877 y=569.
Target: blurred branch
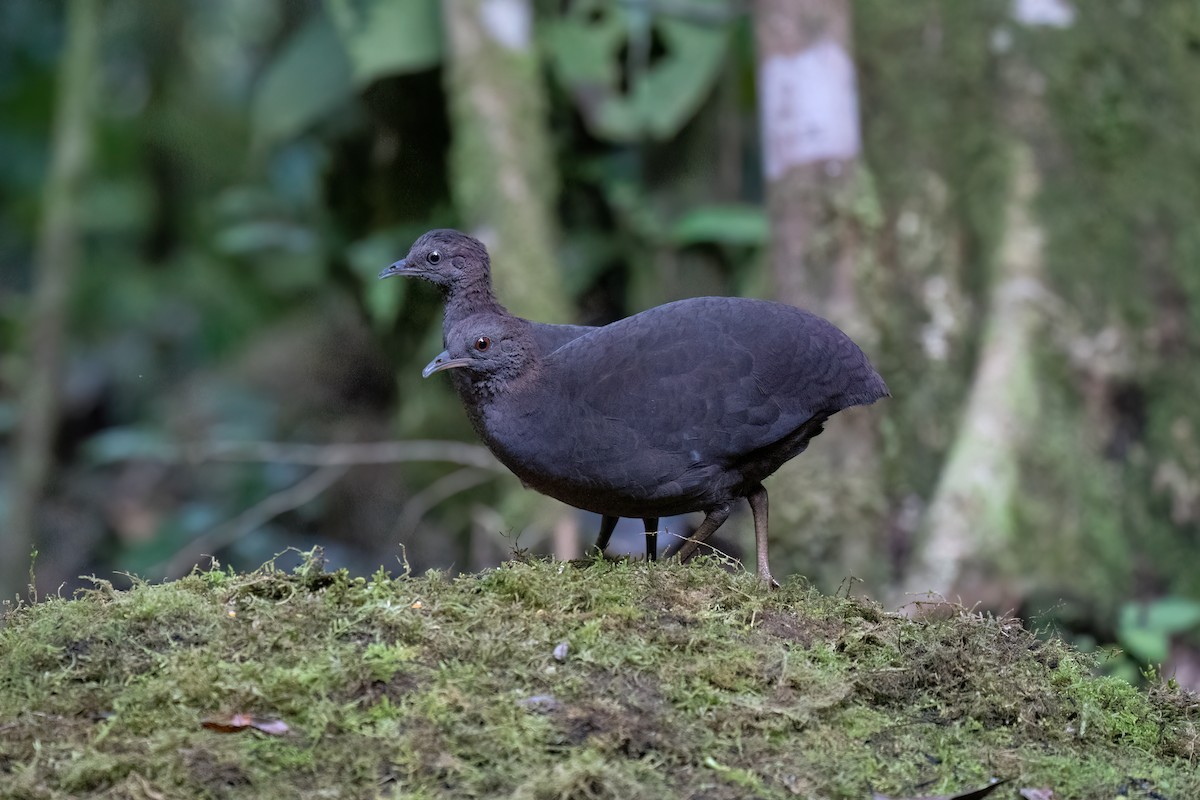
x=323 y=455
x=332 y=462
x=437 y=492
x=56 y=261
x=254 y=517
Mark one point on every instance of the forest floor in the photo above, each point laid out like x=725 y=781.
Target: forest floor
x=545 y=679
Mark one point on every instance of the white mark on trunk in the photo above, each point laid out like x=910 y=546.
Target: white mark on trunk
x=937 y=333
x=809 y=104
x=508 y=23
x=1050 y=13
x=1001 y=40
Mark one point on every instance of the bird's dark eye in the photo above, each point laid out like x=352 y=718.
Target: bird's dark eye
x=433 y=257
x=482 y=343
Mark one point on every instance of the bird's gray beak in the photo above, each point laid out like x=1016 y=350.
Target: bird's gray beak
x=443 y=361
x=400 y=267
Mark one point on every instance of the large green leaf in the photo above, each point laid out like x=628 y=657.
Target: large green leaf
x=383 y=299
x=589 y=47
x=724 y=224
x=309 y=78
x=1145 y=629
x=1171 y=614
x=388 y=37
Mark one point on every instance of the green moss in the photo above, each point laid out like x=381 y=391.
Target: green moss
x=677 y=681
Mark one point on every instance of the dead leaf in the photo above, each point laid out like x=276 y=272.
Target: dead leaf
x=236 y=723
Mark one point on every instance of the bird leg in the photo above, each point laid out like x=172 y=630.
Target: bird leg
x=713 y=519
x=651 y=524
x=758 y=508
x=607 y=525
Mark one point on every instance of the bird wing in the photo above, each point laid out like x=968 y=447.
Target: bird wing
x=709 y=380
x=551 y=337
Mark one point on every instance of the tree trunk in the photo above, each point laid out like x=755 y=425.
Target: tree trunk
x=821 y=209
x=808 y=101
x=503 y=172
x=56 y=260
x=970 y=521
x=503 y=169
x=971 y=542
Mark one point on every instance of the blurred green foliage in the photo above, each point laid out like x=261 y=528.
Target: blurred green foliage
x=636 y=76
x=256 y=165
x=1145 y=629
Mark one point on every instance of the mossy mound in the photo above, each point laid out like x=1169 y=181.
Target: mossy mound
x=674 y=681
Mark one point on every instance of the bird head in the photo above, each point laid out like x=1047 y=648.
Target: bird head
x=492 y=349
x=446 y=258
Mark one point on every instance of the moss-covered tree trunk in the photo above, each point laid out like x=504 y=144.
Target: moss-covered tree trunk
x=503 y=172
x=56 y=261
x=971 y=517
x=503 y=167
x=1047 y=422
x=808 y=102
x=971 y=548
x=820 y=205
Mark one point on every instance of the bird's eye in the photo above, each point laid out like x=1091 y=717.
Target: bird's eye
x=433 y=257
x=482 y=343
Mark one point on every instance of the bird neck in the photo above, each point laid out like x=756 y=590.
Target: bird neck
x=507 y=411
x=474 y=297
x=510 y=384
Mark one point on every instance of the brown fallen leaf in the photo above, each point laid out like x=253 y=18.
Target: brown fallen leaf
x=236 y=723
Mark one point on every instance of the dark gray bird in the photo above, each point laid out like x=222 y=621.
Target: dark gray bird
x=684 y=407
x=460 y=267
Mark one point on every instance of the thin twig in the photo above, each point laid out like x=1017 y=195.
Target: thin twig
x=255 y=517
x=688 y=547
x=345 y=454
x=440 y=490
